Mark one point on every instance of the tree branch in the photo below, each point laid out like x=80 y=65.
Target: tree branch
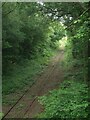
x=3 y=4
x=79 y=17
x=10 y=11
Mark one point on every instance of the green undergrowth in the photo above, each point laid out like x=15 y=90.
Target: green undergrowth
x=23 y=74
x=71 y=99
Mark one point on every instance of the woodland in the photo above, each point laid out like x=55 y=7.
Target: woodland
x=31 y=35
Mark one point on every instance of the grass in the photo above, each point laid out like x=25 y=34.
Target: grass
x=23 y=75
x=1 y=115
x=71 y=99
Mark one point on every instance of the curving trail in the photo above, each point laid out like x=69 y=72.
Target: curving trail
x=28 y=106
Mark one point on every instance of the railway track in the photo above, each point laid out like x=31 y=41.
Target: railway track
x=52 y=68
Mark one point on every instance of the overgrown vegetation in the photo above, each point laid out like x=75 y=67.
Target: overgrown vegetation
x=26 y=33
x=24 y=73
x=71 y=100
x=30 y=32
x=29 y=39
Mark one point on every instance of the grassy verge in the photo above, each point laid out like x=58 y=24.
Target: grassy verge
x=71 y=100
x=24 y=74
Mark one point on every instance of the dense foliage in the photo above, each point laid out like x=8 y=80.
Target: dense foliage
x=31 y=31
x=29 y=38
x=26 y=33
x=71 y=100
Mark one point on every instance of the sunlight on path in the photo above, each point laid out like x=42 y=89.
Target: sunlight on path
x=62 y=43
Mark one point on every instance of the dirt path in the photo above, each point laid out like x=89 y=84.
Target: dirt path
x=28 y=106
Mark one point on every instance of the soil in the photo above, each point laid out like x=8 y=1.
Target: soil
x=27 y=105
